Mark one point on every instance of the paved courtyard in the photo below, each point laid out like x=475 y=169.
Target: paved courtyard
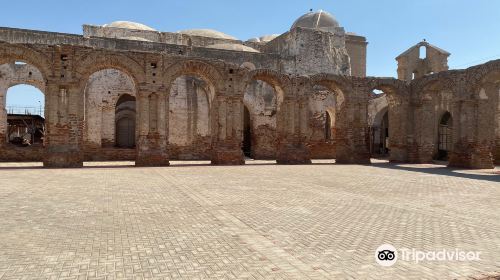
x=259 y=221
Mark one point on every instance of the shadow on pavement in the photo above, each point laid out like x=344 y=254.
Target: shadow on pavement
x=442 y=170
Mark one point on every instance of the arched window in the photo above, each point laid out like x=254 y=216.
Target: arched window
x=423 y=52
x=445 y=135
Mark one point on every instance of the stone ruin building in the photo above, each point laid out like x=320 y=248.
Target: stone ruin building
x=124 y=91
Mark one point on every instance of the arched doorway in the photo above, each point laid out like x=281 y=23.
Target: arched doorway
x=25 y=116
x=125 y=121
x=22 y=112
x=445 y=140
x=378 y=122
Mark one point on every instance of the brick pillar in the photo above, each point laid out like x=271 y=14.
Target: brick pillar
x=398 y=130
x=151 y=129
x=226 y=115
x=424 y=124
x=3 y=115
x=496 y=150
x=64 y=126
x=351 y=127
x=474 y=128
x=291 y=127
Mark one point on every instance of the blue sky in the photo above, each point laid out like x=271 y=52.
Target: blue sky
x=468 y=29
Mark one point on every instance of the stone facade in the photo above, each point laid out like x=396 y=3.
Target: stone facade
x=124 y=91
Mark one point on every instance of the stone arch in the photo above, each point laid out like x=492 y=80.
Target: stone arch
x=191 y=88
x=248 y=66
x=279 y=82
x=13 y=53
x=97 y=61
x=101 y=92
x=337 y=84
x=27 y=74
x=431 y=96
x=350 y=122
x=197 y=68
x=33 y=62
x=40 y=85
x=262 y=98
x=388 y=130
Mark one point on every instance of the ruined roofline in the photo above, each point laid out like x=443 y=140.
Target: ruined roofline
x=423 y=43
x=88 y=34
x=27 y=36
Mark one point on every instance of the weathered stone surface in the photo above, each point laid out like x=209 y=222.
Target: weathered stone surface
x=168 y=96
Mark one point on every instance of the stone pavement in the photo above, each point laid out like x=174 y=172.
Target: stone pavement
x=259 y=221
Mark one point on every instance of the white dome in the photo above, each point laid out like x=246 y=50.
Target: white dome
x=267 y=38
x=129 y=25
x=316 y=20
x=207 y=33
x=255 y=40
x=232 y=47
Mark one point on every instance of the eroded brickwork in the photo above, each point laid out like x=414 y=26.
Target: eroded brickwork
x=187 y=94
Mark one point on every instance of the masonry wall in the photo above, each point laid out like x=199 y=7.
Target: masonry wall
x=414 y=107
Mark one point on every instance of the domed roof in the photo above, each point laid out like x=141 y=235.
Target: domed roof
x=267 y=38
x=129 y=25
x=233 y=47
x=316 y=20
x=207 y=33
x=255 y=40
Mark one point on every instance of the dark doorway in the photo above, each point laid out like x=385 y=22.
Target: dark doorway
x=384 y=134
x=445 y=136
x=247 y=134
x=125 y=128
x=125 y=122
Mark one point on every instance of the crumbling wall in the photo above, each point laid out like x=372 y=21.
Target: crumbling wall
x=261 y=101
x=320 y=142
x=103 y=90
x=189 y=119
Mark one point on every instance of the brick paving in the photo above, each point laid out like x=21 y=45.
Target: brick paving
x=259 y=221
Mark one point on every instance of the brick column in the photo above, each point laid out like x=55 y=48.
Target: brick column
x=3 y=115
x=291 y=128
x=351 y=127
x=474 y=127
x=398 y=130
x=227 y=136
x=64 y=126
x=151 y=129
x=424 y=122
